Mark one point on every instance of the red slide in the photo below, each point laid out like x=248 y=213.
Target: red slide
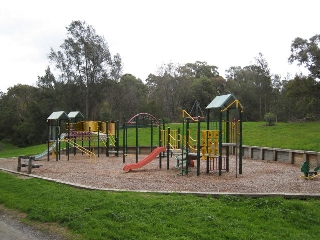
x=144 y=161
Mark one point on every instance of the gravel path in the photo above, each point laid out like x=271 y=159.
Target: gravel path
x=11 y=228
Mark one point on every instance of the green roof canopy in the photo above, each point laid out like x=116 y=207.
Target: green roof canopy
x=60 y=115
x=225 y=102
x=75 y=114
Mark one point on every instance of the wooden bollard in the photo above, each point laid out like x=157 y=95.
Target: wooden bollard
x=19 y=164
x=30 y=165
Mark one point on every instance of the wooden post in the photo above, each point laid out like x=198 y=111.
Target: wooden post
x=19 y=164
x=30 y=164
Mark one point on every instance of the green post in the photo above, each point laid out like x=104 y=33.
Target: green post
x=187 y=146
x=107 y=139
x=198 y=148
x=137 y=140
x=227 y=139
x=220 y=143
x=48 y=140
x=117 y=138
x=240 y=142
x=124 y=148
x=151 y=140
x=89 y=138
x=168 y=148
x=160 y=145
x=82 y=142
x=98 y=141
x=208 y=124
x=179 y=139
x=57 y=143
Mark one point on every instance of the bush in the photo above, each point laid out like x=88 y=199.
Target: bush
x=270 y=118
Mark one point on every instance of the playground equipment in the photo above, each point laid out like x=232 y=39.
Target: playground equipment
x=135 y=122
x=307 y=174
x=69 y=129
x=144 y=161
x=216 y=142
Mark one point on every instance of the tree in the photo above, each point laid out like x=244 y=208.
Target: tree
x=307 y=53
x=22 y=123
x=304 y=93
x=84 y=61
x=198 y=69
x=253 y=87
x=132 y=96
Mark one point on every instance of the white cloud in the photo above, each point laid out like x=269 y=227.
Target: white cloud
x=149 y=33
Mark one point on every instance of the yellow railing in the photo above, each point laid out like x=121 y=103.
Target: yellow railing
x=79 y=147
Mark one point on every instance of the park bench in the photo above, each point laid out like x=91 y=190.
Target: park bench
x=28 y=162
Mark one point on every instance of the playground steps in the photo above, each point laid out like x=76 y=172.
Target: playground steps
x=79 y=147
x=182 y=162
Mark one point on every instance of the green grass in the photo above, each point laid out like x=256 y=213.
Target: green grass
x=296 y=136
x=123 y=215
x=8 y=150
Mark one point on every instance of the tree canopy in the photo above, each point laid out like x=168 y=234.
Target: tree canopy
x=86 y=77
x=307 y=53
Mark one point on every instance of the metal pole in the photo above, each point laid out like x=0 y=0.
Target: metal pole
x=137 y=140
x=227 y=139
x=117 y=138
x=107 y=139
x=168 y=147
x=220 y=144
x=151 y=130
x=240 y=142
x=187 y=145
x=198 y=148
x=124 y=141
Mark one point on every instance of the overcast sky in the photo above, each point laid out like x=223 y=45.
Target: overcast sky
x=149 y=33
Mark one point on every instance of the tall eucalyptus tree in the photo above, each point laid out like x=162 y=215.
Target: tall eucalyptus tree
x=84 y=62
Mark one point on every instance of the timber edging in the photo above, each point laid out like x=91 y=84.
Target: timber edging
x=296 y=157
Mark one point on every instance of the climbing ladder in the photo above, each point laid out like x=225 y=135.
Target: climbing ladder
x=82 y=149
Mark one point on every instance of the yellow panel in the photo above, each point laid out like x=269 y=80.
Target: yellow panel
x=79 y=126
x=112 y=128
x=91 y=126
x=103 y=127
x=216 y=151
x=204 y=134
x=203 y=150
x=216 y=133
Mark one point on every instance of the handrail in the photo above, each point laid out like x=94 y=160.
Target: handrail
x=79 y=147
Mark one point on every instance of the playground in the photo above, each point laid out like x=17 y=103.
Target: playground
x=259 y=176
x=213 y=162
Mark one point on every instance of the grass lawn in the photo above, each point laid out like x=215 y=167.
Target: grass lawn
x=124 y=215
x=296 y=136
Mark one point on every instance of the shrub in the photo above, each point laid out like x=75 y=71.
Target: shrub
x=270 y=118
